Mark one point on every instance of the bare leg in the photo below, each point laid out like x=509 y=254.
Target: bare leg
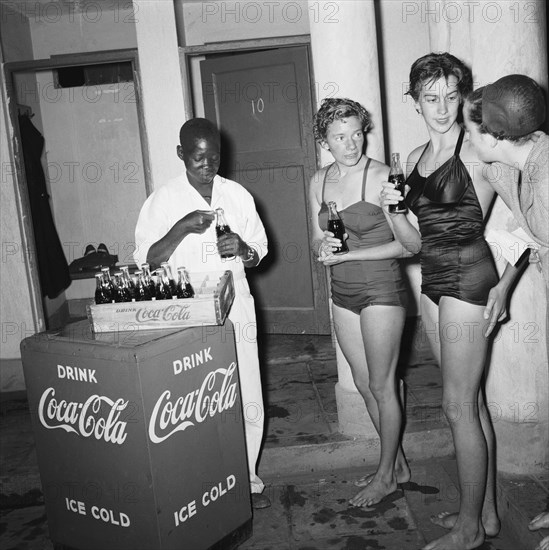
x=402 y=470
x=490 y=519
x=541 y=521
x=350 y=337
x=381 y=330
x=463 y=354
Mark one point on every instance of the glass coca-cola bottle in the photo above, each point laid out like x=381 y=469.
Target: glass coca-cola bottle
x=171 y=281
x=222 y=227
x=396 y=176
x=162 y=291
x=184 y=287
x=101 y=294
x=121 y=293
x=142 y=292
x=146 y=268
x=128 y=282
x=108 y=283
x=336 y=226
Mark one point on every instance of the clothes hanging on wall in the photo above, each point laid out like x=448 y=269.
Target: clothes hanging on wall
x=53 y=269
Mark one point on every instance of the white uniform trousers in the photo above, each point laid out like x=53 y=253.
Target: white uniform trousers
x=242 y=315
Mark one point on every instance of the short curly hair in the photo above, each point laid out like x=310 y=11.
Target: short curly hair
x=337 y=108
x=431 y=67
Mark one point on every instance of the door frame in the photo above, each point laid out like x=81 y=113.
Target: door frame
x=243 y=46
x=22 y=196
x=240 y=46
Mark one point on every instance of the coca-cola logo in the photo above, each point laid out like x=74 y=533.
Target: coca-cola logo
x=217 y=393
x=97 y=417
x=174 y=312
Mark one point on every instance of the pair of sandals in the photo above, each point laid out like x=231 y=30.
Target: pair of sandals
x=101 y=249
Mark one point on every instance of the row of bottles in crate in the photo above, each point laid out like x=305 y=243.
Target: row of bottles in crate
x=141 y=285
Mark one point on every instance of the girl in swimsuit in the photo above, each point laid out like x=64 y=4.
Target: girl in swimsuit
x=368 y=291
x=448 y=198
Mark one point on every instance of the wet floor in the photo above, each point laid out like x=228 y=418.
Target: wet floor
x=309 y=467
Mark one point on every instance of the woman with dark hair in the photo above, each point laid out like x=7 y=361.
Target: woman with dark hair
x=448 y=198
x=502 y=121
x=368 y=291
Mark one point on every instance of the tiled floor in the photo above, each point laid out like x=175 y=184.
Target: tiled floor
x=308 y=466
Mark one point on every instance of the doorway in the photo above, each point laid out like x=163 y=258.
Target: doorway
x=262 y=102
x=94 y=163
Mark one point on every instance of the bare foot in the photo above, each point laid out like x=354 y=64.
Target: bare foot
x=402 y=475
x=541 y=521
x=447 y=520
x=457 y=540
x=375 y=491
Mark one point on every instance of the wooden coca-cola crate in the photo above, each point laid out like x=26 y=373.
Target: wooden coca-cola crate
x=214 y=295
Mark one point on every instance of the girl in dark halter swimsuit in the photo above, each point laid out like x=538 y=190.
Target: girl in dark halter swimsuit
x=368 y=291
x=455 y=259
x=457 y=277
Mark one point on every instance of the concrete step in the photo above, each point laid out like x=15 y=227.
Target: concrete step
x=339 y=452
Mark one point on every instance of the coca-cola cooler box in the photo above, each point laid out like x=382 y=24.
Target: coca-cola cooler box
x=214 y=295
x=139 y=437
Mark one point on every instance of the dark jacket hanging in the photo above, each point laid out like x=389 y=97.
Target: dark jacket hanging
x=53 y=270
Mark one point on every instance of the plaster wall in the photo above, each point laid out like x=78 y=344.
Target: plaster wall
x=495 y=39
x=403 y=39
x=30 y=31
x=83 y=171
x=95 y=169
x=17 y=311
x=98 y=26
x=518 y=384
x=162 y=87
x=16 y=35
x=25 y=87
x=409 y=30
x=207 y=22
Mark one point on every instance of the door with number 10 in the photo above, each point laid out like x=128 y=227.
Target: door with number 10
x=262 y=103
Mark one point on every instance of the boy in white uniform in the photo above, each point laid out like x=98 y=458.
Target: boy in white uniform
x=176 y=224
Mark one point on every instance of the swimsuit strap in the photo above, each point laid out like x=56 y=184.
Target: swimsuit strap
x=324 y=180
x=459 y=142
x=364 y=178
x=420 y=157
x=456 y=150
